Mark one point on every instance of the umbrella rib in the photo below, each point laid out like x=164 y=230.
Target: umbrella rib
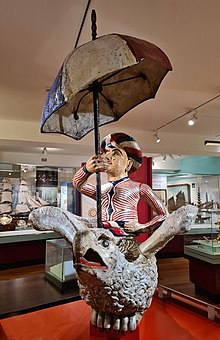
x=101 y=82
x=112 y=83
x=120 y=81
x=142 y=75
x=111 y=75
x=110 y=102
x=76 y=111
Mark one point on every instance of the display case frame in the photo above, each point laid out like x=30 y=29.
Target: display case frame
x=59 y=268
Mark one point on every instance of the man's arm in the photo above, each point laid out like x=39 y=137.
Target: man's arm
x=94 y=164
x=80 y=183
x=148 y=195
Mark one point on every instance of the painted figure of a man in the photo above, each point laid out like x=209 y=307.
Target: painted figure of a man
x=120 y=155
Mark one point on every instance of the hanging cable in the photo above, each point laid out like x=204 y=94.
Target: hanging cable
x=82 y=23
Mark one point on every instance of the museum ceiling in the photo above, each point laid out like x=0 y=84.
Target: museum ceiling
x=36 y=36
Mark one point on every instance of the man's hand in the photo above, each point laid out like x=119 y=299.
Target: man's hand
x=97 y=163
x=136 y=227
x=132 y=226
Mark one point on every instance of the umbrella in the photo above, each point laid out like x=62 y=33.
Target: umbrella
x=99 y=82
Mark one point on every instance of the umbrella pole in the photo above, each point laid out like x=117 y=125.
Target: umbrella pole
x=97 y=150
x=95 y=90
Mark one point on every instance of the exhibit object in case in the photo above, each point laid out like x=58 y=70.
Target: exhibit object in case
x=59 y=267
x=203 y=252
x=206 y=241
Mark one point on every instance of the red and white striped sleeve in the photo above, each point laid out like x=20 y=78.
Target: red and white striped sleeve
x=80 y=183
x=148 y=195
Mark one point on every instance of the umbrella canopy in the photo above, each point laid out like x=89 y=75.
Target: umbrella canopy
x=127 y=70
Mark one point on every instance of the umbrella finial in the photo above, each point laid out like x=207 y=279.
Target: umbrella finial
x=94 y=27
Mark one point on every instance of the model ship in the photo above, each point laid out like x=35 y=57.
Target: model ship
x=200 y=218
x=6 y=197
x=18 y=203
x=25 y=202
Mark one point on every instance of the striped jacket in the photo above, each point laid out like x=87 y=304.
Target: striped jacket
x=119 y=199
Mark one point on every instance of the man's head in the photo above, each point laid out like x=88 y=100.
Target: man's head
x=118 y=163
x=125 y=143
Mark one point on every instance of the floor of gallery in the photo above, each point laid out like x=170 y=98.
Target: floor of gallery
x=25 y=289
x=164 y=320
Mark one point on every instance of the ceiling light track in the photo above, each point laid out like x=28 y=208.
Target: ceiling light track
x=192 y=112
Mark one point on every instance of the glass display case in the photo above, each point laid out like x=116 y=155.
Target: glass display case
x=26 y=187
x=202 y=249
x=204 y=238
x=59 y=267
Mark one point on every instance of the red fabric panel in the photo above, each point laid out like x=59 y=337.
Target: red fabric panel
x=143 y=175
x=144 y=49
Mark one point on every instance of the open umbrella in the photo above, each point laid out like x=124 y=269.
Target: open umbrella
x=99 y=82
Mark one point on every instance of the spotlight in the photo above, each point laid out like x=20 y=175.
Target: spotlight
x=212 y=142
x=192 y=120
x=156 y=137
x=44 y=155
x=44 y=151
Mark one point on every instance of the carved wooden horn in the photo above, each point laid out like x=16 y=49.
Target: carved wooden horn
x=179 y=221
x=61 y=221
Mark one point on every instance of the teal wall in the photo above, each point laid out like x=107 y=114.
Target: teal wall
x=201 y=165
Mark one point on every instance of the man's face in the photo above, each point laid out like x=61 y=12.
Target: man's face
x=119 y=164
